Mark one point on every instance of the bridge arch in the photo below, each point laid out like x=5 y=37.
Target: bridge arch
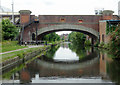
x=68 y=27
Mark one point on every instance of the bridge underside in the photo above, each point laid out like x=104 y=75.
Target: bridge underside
x=67 y=27
x=45 y=33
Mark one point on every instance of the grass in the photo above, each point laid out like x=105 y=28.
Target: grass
x=19 y=53
x=11 y=45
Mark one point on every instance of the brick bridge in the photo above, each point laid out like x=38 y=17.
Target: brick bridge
x=33 y=28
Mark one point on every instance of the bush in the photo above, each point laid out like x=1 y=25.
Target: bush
x=115 y=43
x=101 y=44
x=20 y=55
x=9 y=31
x=87 y=43
x=96 y=44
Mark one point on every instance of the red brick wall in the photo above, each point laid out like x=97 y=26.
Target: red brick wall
x=90 y=21
x=102 y=27
x=24 y=18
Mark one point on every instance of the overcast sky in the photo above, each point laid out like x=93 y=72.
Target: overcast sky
x=70 y=7
x=62 y=7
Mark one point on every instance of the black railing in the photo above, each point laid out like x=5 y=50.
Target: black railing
x=33 y=43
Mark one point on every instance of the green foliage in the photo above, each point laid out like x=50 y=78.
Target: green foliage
x=101 y=44
x=104 y=45
x=110 y=28
x=87 y=43
x=77 y=37
x=63 y=38
x=78 y=49
x=96 y=44
x=0 y=32
x=20 y=55
x=9 y=31
x=51 y=52
x=51 y=37
x=115 y=43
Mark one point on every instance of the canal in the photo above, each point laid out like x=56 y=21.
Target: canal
x=67 y=63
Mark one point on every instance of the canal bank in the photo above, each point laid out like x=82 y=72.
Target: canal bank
x=25 y=57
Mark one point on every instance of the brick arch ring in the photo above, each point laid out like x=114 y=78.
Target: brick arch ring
x=69 y=27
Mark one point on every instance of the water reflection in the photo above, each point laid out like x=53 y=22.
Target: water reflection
x=68 y=52
x=65 y=54
x=86 y=64
x=48 y=69
x=109 y=68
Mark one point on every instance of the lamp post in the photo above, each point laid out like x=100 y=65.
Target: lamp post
x=36 y=34
x=12 y=12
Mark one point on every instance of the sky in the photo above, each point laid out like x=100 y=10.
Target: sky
x=62 y=7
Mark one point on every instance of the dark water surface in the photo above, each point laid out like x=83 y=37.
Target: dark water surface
x=67 y=63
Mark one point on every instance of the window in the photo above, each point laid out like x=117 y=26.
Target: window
x=103 y=37
x=62 y=20
x=80 y=21
x=102 y=56
x=33 y=36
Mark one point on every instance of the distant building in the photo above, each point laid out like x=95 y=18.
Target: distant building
x=65 y=36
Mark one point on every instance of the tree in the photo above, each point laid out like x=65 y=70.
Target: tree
x=77 y=37
x=115 y=42
x=9 y=31
x=63 y=38
x=51 y=37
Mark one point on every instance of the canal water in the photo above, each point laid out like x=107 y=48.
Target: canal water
x=67 y=63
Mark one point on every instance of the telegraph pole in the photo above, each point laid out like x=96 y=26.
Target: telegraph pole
x=12 y=12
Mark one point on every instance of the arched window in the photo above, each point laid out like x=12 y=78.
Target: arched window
x=62 y=20
x=80 y=21
x=33 y=36
x=103 y=37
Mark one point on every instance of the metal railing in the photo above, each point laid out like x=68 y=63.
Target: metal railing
x=33 y=42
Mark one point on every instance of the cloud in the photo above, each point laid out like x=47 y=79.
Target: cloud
x=61 y=7
x=48 y=2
